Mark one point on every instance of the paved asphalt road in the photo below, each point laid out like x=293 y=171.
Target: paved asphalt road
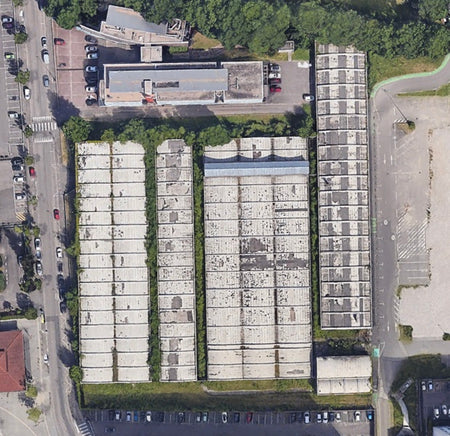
x=49 y=185
x=383 y=166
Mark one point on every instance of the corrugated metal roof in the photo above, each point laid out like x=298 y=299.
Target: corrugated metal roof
x=185 y=80
x=264 y=168
x=127 y=18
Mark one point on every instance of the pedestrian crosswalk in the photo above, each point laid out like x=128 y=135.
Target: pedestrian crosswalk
x=84 y=428
x=21 y=216
x=41 y=137
x=43 y=124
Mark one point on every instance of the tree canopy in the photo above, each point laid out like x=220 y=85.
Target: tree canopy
x=409 y=29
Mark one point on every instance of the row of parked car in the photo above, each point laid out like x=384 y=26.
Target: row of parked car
x=91 y=77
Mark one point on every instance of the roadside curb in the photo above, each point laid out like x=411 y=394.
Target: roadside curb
x=410 y=76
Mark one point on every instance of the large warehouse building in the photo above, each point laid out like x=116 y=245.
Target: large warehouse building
x=176 y=284
x=258 y=306
x=113 y=279
x=199 y=83
x=343 y=175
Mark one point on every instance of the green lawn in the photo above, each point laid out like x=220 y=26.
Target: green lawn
x=191 y=396
x=381 y=68
x=443 y=91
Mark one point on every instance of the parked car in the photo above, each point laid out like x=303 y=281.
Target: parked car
x=128 y=416
x=90 y=39
x=39 y=269
x=444 y=409
x=19 y=261
x=6 y=19
x=423 y=385
x=148 y=416
x=136 y=416
x=91 y=69
x=272 y=81
x=90 y=48
x=59 y=41
x=90 y=101
x=357 y=416
x=205 y=416
x=59 y=267
x=331 y=417
x=430 y=385
x=90 y=88
x=20 y=196
x=93 y=55
x=306 y=417
x=111 y=415
x=13 y=115
x=275 y=68
x=59 y=252
x=369 y=415
x=118 y=415
x=62 y=306
x=110 y=429
x=45 y=56
x=436 y=412
x=8 y=25
x=224 y=417
x=17 y=160
x=325 y=417
x=26 y=92
x=275 y=88
x=37 y=244
x=45 y=81
x=32 y=171
x=249 y=417
x=9 y=56
x=18 y=179
x=46 y=358
x=338 y=417
x=319 y=418
x=236 y=417
x=308 y=97
x=44 y=42
x=181 y=417
x=198 y=417
x=142 y=416
x=56 y=214
x=274 y=75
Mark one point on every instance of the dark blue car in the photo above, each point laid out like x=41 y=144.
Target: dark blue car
x=136 y=416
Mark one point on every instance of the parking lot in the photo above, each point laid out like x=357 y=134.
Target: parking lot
x=435 y=401
x=208 y=423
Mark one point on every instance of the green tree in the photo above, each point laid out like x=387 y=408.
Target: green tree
x=89 y=7
x=31 y=313
x=69 y=16
x=20 y=38
x=77 y=129
x=432 y=10
x=76 y=373
x=2 y=281
x=23 y=77
x=28 y=132
x=108 y=136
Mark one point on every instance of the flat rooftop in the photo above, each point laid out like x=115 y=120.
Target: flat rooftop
x=183 y=83
x=113 y=278
x=258 y=307
x=176 y=274
x=343 y=175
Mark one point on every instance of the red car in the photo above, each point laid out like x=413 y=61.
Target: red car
x=32 y=171
x=249 y=417
x=275 y=88
x=60 y=41
x=56 y=214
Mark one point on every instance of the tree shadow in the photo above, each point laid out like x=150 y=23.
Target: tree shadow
x=66 y=356
x=23 y=301
x=61 y=108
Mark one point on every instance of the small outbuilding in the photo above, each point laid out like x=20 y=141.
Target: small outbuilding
x=343 y=375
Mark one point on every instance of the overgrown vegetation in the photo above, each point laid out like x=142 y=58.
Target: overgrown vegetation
x=191 y=396
x=406 y=333
x=446 y=337
x=2 y=281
